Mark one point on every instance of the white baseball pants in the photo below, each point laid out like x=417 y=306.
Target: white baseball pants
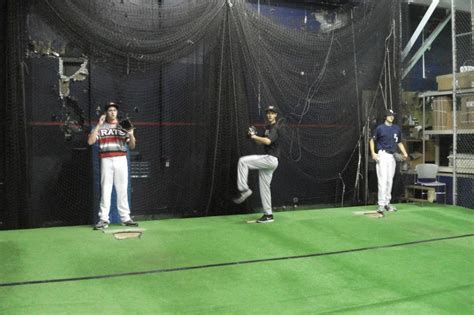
x=114 y=172
x=266 y=165
x=385 y=172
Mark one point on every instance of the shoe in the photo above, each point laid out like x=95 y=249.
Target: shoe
x=130 y=223
x=266 y=218
x=380 y=210
x=244 y=195
x=101 y=225
x=390 y=208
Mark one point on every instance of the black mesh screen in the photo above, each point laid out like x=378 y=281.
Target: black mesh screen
x=15 y=147
x=192 y=76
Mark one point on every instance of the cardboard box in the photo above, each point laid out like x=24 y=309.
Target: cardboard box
x=430 y=151
x=466 y=115
x=442 y=107
x=413 y=163
x=464 y=80
x=414 y=110
x=414 y=148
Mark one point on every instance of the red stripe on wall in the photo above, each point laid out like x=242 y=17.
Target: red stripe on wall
x=186 y=124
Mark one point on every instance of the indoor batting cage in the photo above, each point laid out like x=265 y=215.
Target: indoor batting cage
x=193 y=156
x=192 y=76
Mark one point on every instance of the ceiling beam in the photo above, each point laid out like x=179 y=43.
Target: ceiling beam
x=425 y=46
x=420 y=27
x=460 y=5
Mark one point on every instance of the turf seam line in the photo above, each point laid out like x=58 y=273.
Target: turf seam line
x=242 y=262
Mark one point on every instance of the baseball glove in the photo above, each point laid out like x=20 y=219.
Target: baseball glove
x=252 y=131
x=127 y=124
x=398 y=157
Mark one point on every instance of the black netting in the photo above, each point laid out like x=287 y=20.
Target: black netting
x=463 y=160
x=192 y=76
x=14 y=121
x=3 y=64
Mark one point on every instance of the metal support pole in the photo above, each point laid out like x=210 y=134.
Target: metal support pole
x=426 y=45
x=420 y=27
x=455 y=138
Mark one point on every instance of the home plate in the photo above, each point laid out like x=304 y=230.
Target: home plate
x=370 y=214
x=121 y=234
x=252 y=221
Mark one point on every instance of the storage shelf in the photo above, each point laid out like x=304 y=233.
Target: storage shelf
x=445 y=169
x=448 y=92
x=448 y=132
x=443 y=138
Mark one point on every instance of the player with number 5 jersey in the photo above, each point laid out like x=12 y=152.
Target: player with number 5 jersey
x=385 y=141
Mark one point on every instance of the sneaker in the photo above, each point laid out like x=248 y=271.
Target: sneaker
x=390 y=208
x=101 y=225
x=266 y=218
x=244 y=195
x=380 y=210
x=130 y=223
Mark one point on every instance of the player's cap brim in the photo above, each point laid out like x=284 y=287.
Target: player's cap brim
x=111 y=104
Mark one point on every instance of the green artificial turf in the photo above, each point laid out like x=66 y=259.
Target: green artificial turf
x=433 y=277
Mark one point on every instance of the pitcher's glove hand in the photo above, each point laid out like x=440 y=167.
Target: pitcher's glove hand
x=252 y=131
x=127 y=124
x=398 y=157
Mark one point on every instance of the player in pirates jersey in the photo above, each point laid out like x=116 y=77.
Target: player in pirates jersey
x=387 y=137
x=113 y=142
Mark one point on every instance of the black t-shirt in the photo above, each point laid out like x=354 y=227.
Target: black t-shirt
x=272 y=132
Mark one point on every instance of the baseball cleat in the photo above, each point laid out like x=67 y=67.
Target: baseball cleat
x=130 y=223
x=243 y=196
x=380 y=210
x=101 y=225
x=266 y=218
x=390 y=208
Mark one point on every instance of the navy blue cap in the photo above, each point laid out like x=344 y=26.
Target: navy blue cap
x=389 y=112
x=271 y=109
x=111 y=104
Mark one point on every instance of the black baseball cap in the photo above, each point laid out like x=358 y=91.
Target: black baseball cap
x=271 y=109
x=111 y=104
x=389 y=112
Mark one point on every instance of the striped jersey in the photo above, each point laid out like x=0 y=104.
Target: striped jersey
x=112 y=140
